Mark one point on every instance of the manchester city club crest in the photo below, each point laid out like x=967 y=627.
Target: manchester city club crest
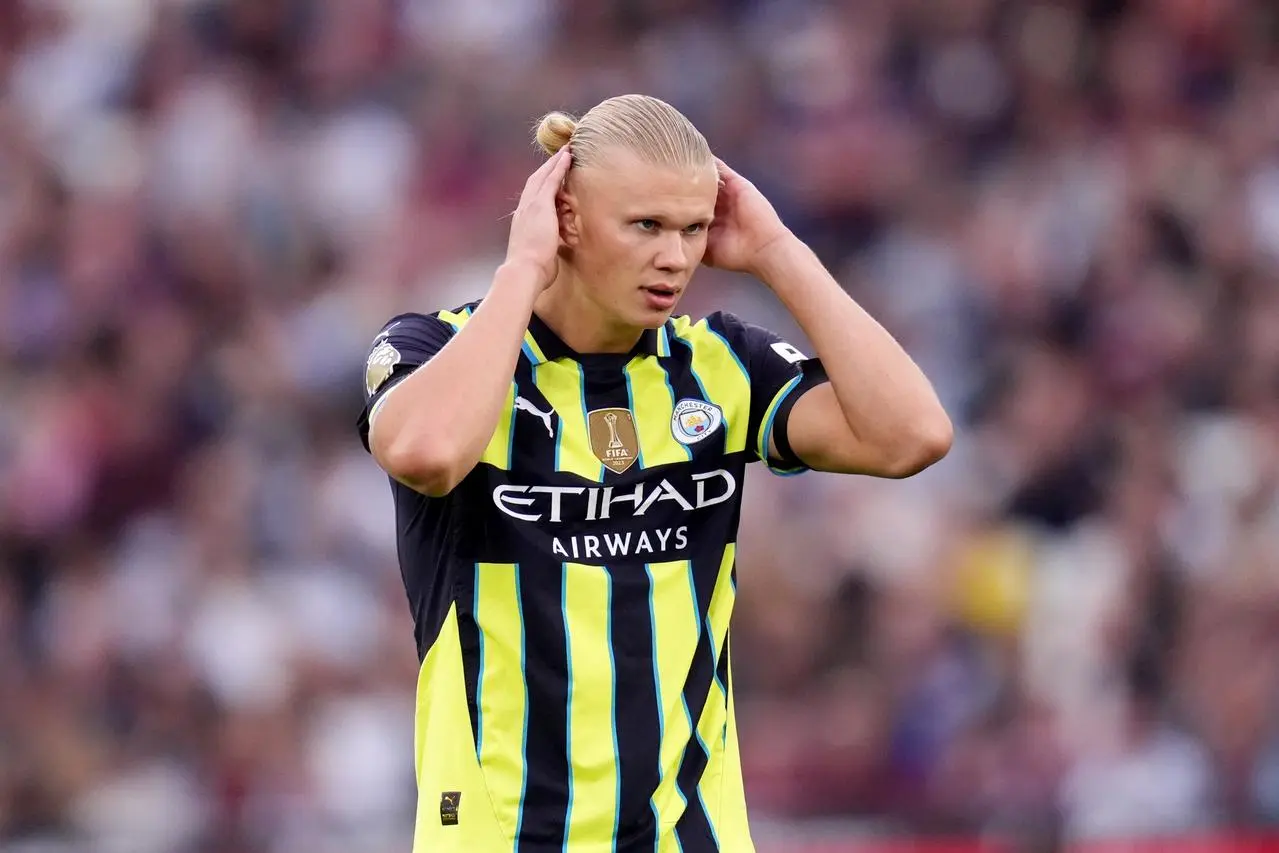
x=693 y=420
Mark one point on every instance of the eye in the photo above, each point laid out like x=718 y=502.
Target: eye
x=648 y=224
x=695 y=228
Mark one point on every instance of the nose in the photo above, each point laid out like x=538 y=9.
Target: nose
x=672 y=253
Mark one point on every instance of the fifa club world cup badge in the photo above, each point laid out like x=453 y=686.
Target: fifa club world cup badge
x=613 y=438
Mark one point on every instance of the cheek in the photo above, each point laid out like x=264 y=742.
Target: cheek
x=611 y=249
x=697 y=248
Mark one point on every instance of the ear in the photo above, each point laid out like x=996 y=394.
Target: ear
x=566 y=209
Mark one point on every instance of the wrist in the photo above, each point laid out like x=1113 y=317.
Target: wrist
x=519 y=278
x=781 y=260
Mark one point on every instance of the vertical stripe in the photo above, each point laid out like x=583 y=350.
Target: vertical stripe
x=694 y=828
x=679 y=328
x=501 y=700
x=478 y=717
x=564 y=387
x=705 y=703
x=652 y=401
x=636 y=414
x=617 y=755
x=500 y=446
x=568 y=722
x=698 y=822
x=733 y=827
x=712 y=728
x=591 y=816
x=546 y=749
x=722 y=377
x=674 y=619
x=720 y=611
x=587 y=452
x=638 y=739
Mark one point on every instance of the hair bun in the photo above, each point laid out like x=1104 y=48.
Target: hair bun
x=554 y=131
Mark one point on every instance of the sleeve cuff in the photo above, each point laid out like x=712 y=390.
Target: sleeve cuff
x=777 y=419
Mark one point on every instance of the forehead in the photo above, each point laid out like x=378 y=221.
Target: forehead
x=626 y=184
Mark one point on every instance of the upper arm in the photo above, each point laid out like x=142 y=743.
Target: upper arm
x=403 y=345
x=797 y=422
x=819 y=434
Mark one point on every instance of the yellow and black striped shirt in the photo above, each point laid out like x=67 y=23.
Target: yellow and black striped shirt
x=572 y=596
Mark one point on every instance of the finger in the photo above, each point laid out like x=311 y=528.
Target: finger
x=557 y=168
x=535 y=187
x=562 y=167
x=556 y=164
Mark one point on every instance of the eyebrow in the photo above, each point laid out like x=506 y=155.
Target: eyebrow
x=667 y=220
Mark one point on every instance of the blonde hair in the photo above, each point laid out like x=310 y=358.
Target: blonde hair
x=646 y=126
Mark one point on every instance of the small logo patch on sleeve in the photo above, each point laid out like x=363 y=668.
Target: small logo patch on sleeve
x=381 y=362
x=449 y=803
x=788 y=352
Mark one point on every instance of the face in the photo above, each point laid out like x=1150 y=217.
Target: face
x=636 y=233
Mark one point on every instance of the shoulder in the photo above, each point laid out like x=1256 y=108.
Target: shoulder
x=455 y=318
x=408 y=340
x=721 y=324
x=408 y=326
x=413 y=324
x=758 y=349
x=743 y=337
x=417 y=331
x=725 y=324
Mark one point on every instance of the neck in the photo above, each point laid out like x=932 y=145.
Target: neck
x=579 y=321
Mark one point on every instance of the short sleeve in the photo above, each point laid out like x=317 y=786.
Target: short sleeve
x=403 y=345
x=779 y=375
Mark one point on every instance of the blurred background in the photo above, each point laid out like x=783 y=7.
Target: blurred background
x=1067 y=210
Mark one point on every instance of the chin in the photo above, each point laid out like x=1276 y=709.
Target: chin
x=654 y=316
x=640 y=315
x=651 y=319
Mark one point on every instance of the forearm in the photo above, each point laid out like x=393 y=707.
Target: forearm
x=434 y=426
x=885 y=398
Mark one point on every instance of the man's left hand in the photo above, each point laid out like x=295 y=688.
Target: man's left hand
x=746 y=226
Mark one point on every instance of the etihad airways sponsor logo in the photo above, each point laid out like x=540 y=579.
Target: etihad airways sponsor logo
x=555 y=504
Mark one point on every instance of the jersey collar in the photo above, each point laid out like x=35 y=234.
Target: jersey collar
x=541 y=344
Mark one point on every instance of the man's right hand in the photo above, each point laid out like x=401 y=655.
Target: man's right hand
x=535 y=226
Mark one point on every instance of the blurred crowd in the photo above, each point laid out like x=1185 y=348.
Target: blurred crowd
x=1067 y=210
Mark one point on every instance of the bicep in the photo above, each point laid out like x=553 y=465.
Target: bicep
x=387 y=422
x=819 y=435
x=381 y=430
x=375 y=409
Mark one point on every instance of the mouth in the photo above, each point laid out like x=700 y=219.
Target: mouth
x=661 y=296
